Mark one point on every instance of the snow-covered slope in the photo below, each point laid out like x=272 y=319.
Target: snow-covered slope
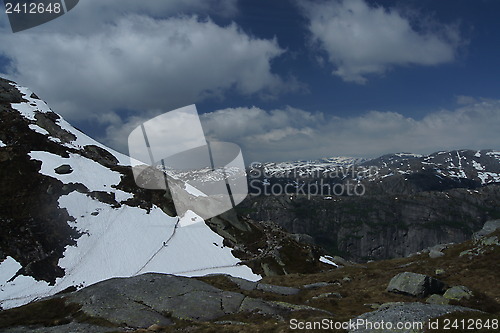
x=115 y=236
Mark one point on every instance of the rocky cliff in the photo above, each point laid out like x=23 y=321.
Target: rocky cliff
x=405 y=202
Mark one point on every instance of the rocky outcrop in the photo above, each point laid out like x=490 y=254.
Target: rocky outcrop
x=374 y=227
x=249 y=286
x=156 y=299
x=488 y=228
x=457 y=293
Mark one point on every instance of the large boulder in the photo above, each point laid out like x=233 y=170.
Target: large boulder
x=457 y=293
x=414 y=284
x=269 y=288
x=144 y=301
x=488 y=228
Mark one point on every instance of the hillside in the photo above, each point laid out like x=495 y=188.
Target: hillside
x=71 y=215
x=398 y=204
x=468 y=273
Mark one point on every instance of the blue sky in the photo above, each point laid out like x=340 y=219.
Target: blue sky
x=286 y=80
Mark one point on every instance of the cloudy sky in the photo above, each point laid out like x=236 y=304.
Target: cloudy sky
x=284 y=79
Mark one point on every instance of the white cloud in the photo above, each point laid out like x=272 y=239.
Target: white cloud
x=141 y=63
x=293 y=134
x=360 y=39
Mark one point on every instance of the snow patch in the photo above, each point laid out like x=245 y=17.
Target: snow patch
x=22 y=289
x=94 y=176
x=488 y=177
x=477 y=166
x=124 y=242
x=28 y=109
x=2 y=144
x=38 y=129
x=327 y=260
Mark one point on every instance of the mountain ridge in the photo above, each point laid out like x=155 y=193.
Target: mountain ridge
x=72 y=215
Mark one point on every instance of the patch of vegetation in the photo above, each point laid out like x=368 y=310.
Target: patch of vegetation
x=48 y=313
x=52 y=312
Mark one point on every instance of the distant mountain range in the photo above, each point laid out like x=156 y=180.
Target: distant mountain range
x=397 y=203
x=438 y=171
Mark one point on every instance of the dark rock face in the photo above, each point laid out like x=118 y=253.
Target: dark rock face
x=381 y=226
x=414 y=284
x=9 y=94
x=488 y=228
x=47 y=121
x=99 y=155
x=63 y=169
x=404 y=202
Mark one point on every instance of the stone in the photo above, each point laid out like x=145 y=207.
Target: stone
x=154 y=300
x=328 y=295
x=437 y=299
x=435 y=254
x=414 y=284
x=488 y=228
x=440 y=271
x=389 y=304
x=63 y=169
x=47 y=122
x=489 y=241
x=457 y=293
x=277 y=289
x=154 y=328
x=316 y=285
x=242 y=283
x=141 y=300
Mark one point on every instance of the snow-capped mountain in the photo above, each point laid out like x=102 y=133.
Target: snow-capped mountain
x=412 y=172
x=71 y=215
x=480 y=166
x=307 y=168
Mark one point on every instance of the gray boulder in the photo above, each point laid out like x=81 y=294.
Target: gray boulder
x=435 y=254
x=156 y=300
x=269 y=288
x=437 y=299
x=317 y=285
x=457 y=293
x=63 y=169
x=277 y=289
x=414 y=284
x=148 y=299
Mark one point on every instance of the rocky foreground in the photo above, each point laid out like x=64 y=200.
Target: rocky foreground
x=436 y=285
